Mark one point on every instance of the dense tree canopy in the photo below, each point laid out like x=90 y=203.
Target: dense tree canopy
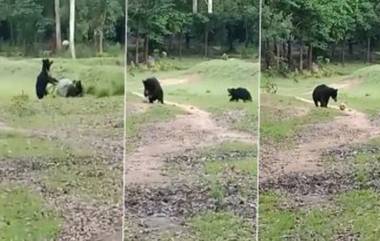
x=294 y=30
x=30 y=24
x=172 y=26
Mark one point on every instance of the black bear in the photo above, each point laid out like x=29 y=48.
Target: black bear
x=44 y=78
x=69 y=88
x=153 y=90
x=75 y=90
x=322 y=94
x=239 y=93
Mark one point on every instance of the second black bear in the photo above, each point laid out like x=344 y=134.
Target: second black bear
x=239 y=93
x=322 y=94
x=76 y=89
x=44 y=78
x=153 y=90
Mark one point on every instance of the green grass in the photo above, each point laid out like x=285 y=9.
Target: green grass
x=24 y=217
x=87 y=178
x=19 y=75
x=218 y=171
x=363 y=97
x=154 y=113
x=274 y=223
x=282 y=116
x=208 y=89
x=354 y=212
x=17 y=145
x=53 y=112
x=221 y=227
x=247 y=164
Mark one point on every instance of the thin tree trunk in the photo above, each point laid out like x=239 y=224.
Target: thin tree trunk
x=187 y=36
x=310 y=57
x=206 y=40
x=277 y=48
x=368 y=50
x=301 y=56
x=12 y=32
x=101 y=37
x=267 y=53
x=137 y=46
x=342 y=53
x=290 y=62
x=350 y=48
x=333 y=48
x=246 y=32
x=72 y=28
x=180 y=38
x=58 y=24
x=146 y=47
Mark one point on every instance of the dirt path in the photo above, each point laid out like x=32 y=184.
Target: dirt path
x=194 y=129
x=306 y=157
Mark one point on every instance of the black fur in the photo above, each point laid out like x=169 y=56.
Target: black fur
x=322 y=94
x=239 y=93
x=153 y=90
x=44 y=78
x=75 y=90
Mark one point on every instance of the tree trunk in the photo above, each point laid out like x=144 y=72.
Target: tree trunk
x=350 y=48
x=57 y=25
x=206 y=39
x=342 y=53
x=180 y=38
x=368 y=50
x=137 y=46
x=310 y=57
x=246 y=32
x=195 y=6
x=290 y=62
x=333 y=48
x=301 y=56
x=12 y=32
x=101 y=37
x=187 y=36
x=72 y=28
x=277 y=48
x=146 y=54
x=267 y=53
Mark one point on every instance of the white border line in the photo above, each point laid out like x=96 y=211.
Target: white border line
x=258 y=129
x=125 y=117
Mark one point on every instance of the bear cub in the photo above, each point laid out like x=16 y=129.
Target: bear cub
x=239 y=93
x=153 y=90
x=322 y=94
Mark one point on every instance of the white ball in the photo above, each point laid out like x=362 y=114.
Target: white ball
x=65 y=43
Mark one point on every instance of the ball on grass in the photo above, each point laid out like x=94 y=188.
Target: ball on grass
x=342 y=106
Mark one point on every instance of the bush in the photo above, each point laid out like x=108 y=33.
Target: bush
x=102 y=93
x=20 y=105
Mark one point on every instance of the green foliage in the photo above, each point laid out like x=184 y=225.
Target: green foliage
x=20 y=105
x=221 y=226
x=316 y=26
x=359 y=209
x=31 y=24
x=23 y=216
